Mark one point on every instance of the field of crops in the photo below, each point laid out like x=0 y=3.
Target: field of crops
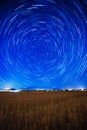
x=41 y=110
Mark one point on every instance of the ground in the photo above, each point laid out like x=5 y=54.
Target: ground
x=41 y=110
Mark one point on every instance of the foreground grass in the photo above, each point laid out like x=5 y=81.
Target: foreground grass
x=43 y=111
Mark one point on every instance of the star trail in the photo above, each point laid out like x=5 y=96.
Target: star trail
x=43 y=44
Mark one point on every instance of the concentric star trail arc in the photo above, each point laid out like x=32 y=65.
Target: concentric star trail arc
x=43 y=44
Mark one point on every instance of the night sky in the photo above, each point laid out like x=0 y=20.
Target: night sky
x=43 y=44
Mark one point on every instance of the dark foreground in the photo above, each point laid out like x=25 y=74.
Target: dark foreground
x=43 y=111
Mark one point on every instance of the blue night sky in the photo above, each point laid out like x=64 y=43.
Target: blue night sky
x=43 y=44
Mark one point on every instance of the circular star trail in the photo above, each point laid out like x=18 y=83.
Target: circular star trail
x=43 y=44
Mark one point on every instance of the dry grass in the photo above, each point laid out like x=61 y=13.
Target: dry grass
x=43 y=111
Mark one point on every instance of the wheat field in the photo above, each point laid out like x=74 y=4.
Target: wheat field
x=42 y=110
